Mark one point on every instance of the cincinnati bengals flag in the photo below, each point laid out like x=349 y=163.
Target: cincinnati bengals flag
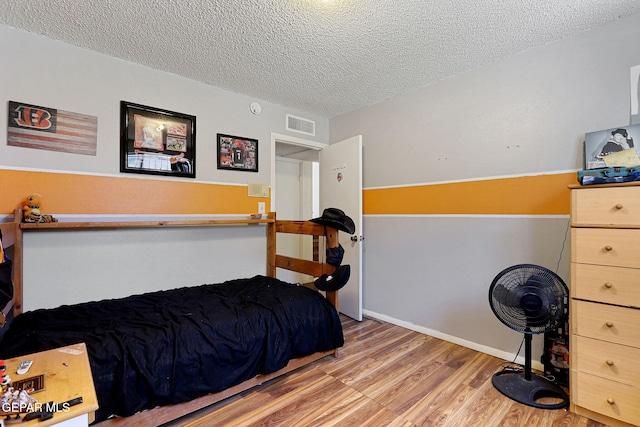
x=45 y=128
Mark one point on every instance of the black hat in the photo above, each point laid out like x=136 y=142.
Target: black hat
x=337 y=280
x=622 y=132
x=334 y=217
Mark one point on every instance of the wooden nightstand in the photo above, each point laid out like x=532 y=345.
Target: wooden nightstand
x=67 y=375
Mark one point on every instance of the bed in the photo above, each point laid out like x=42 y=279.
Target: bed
x=160 y=355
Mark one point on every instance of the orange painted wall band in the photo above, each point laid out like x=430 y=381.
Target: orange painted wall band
x=87 y=194
x=527 y=195
x=64 y=193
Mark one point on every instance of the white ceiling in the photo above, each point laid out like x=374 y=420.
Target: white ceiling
x=325 y=57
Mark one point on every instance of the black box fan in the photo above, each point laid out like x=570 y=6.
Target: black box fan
x=532 y=300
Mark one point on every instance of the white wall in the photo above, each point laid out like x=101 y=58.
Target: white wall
x=288 y=202
x=67 y=267
x=523 y=115
x=52 y=74
x=72 y=266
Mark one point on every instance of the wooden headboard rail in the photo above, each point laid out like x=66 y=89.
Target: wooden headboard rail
x=274 y=260
x=312 y=268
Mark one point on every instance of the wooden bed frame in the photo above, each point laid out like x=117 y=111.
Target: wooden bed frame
x=12 y=232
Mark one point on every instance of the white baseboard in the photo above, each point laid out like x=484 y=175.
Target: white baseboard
x=535 y=364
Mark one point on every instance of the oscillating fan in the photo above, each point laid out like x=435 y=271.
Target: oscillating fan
x=533 y=300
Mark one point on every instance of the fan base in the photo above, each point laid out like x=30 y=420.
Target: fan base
x=528 y=392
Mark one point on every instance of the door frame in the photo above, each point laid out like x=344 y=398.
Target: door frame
x=292 y=140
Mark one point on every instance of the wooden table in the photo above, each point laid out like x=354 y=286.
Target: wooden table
x=67 y=375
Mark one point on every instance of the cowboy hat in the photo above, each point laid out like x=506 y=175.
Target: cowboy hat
x=337 y=280
x=334 y=217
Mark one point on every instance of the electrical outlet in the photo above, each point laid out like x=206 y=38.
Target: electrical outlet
x=262 y=208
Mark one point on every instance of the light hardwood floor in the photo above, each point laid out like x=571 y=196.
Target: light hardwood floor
x=385 y=375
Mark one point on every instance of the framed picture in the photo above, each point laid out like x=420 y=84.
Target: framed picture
x=635 y=95
x=599 y=144
x=237 y=153
x=155 y=141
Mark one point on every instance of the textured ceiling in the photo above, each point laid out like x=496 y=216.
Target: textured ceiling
x=325 y=57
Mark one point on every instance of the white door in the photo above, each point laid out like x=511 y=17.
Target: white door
x=341 y=187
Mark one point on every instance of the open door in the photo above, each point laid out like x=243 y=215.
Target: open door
x=341 y=187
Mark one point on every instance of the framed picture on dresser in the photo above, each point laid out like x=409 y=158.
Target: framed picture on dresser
x=602 y=143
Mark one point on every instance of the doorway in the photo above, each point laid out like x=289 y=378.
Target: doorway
x=295 y=195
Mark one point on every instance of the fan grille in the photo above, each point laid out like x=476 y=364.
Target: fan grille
x=529 y=298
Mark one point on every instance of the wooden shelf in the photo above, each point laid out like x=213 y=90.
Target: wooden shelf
x=141 y=224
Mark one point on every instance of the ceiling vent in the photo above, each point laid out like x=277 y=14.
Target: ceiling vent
x=298 y=124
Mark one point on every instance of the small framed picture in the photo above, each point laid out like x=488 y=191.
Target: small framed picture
x=30 y=385
x=602 y=143
x=237 y=153
x=155 y=141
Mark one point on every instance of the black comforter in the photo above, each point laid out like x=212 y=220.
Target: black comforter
x=172 y=346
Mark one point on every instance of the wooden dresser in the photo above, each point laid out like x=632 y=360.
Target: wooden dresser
x=605 y=303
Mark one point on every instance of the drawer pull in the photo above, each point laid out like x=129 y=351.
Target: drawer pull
x=618 y=206
x=610 y=362
x=610 y=401
x=608 y=248
x=609 y=324
x=608 y=285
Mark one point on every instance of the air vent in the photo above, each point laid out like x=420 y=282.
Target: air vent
x=298 y=124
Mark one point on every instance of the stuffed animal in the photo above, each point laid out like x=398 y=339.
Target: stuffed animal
x=31 y=210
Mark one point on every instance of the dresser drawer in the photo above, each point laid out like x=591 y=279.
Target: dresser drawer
x=610 y=398
x=607 y=322
x=604 y=359
x=606 y=206
x=612 y=285
x=615 y=247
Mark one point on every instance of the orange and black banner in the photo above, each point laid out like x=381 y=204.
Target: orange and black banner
x=46 y=128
